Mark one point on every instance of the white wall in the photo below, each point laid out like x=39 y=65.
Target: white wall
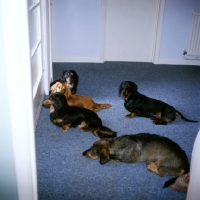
x=77 y=29
x=176 y=29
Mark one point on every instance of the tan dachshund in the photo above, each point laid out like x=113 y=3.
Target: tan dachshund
x=77 y=100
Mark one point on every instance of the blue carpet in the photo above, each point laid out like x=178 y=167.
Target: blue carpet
x=63 y=173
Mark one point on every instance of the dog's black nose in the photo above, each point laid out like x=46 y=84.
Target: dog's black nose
x=84 y=153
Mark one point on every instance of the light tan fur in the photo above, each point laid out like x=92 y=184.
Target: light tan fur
x=77 y=100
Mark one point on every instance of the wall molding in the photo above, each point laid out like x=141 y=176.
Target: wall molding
x=78 y=59
x=178 y=62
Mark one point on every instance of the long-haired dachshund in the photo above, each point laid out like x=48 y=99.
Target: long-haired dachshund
x=77 y=100
x=61 y=114
x=70 y=78
x=161 y=155
x=140 y=105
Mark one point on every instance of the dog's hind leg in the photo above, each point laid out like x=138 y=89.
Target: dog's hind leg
x=157 y=167
x=151 y=166
x=158 y=119
x=159 y=122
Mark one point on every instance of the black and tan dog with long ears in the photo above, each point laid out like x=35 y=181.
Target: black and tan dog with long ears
x=161 y=155
x=61 y=114
x=70 y=78
x=140 y=105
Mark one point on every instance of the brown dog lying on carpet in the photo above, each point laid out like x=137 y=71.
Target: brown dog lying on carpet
x=61 y=114
x=77 y=100
x=140 y=105
x=161 y=155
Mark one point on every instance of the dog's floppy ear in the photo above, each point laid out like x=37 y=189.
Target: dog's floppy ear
x=63 y=89
x=104 y=156
x=120 y=89
x=133 y=87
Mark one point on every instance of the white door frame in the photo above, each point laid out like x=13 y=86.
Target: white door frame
x=19 y=107
x=18 y=127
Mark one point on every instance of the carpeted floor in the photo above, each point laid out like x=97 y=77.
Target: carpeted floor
x=63 y=173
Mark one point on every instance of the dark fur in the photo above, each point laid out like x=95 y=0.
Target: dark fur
x=70 y=79
x=161 y=155
x=61 y=114
x=140 y=105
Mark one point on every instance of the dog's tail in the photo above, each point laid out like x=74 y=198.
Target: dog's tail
x=102 y=106
x=104 y=132
x=178 y=114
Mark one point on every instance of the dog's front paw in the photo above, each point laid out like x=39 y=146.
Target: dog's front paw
x=130 y=115
x=65 y=128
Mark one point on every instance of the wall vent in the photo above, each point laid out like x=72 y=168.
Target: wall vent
x=194 y=44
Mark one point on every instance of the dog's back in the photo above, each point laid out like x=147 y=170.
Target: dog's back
x=67 y=116
x=145 y=147
x=167 y=156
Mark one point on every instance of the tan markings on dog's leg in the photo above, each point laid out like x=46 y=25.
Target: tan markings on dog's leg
x=65 y=127
x=168 y=120
x=83 y=126
x=152 y=167
x=156 y=116
x=130 y=115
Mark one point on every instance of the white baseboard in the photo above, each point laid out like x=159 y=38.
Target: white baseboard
x=78 y=59
x=100 y=60
x=178 y=62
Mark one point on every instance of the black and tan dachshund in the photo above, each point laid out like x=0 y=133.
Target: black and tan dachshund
x=140 y=105
x=70 y=78
x=61 y=114
x=161 y=155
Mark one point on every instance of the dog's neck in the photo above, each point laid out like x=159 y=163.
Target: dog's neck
x=132 y=97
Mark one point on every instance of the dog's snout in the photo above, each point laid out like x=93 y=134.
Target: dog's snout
x=84 y=153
